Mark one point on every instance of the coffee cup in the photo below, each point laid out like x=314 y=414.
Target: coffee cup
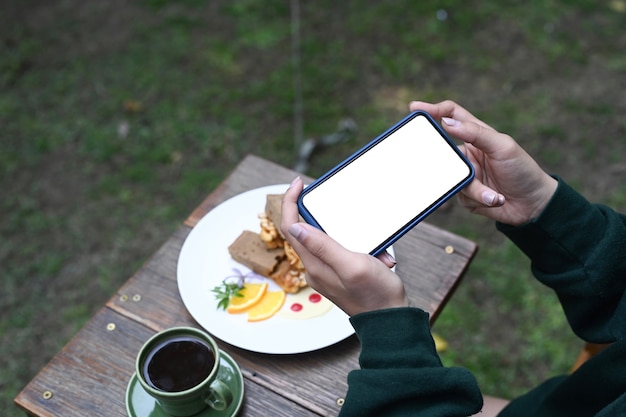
x=179 y=367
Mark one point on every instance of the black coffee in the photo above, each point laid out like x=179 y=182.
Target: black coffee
x=178 y=364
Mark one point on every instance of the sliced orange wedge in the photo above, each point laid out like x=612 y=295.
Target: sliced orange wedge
x=269 y=305
x=251 y=294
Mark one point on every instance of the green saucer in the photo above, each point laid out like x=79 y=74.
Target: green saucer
x=140 y=404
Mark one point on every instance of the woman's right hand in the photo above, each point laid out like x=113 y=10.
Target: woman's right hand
x=356 y=282
x=509 y=186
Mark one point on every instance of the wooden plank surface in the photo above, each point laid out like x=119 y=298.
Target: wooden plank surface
x=431 y=262
x=252 y=172
x=89 y=376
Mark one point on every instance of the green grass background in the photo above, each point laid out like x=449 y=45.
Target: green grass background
x=117 y=118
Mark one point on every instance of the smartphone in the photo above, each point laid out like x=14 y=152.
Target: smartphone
x=372 y=198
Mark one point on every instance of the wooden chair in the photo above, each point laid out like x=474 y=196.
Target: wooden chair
x=493 y=405
x=589 y=351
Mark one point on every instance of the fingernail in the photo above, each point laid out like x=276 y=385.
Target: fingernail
x=390 y=258
x=450 y=121
x=489 y=198
x=296 y=230
x=295 y=180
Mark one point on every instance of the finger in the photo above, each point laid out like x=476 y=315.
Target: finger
x=318 y=243
x=438 y=110
x=290 y=214
x=312 y=239
x=482 y=137
x=447 y=108
x=477 y=194
x=386 y=258
x=289 y=205
x=324 y=248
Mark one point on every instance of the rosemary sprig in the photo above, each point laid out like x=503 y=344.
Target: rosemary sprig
x=224 y=292
x=228 y=288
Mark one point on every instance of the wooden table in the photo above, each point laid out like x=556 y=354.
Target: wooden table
x=89 y=376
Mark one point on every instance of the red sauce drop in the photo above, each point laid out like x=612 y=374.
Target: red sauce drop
x=296 y=307
x=315 y=298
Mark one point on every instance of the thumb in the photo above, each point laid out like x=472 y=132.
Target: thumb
x=321 y=246
x=478 y=194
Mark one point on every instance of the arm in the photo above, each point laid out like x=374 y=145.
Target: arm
x=579 y=249
x=575 y=247
x=401 y=373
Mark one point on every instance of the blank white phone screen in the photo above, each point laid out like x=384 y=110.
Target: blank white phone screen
x=376 y=195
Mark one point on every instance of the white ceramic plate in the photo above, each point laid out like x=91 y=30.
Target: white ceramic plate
x=204 y=262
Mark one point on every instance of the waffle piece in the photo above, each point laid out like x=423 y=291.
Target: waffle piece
x=289 y=279
x=269 y=233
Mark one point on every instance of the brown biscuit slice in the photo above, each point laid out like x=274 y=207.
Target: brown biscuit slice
x=250 y=250
x=273 y=209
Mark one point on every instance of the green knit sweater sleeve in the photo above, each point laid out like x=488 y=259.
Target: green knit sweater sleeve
x=579 y=249
x=401 y=373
